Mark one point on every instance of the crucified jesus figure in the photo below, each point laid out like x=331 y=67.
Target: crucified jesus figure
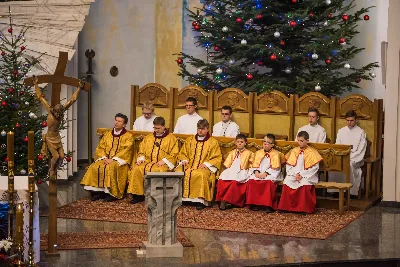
x=55 y=116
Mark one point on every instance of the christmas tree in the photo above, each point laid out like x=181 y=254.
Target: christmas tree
x=293 y=46
x=20 y=109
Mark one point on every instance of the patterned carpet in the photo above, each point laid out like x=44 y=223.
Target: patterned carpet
x=320 y=225
x=91 y=240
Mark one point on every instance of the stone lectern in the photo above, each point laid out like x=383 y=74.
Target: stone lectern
x=163 y=198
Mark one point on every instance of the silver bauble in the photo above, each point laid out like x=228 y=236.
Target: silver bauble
x=314 y=56
x=219 y=71
x=277 y=34
x=243 y=42
x=347 y=66
x=225 y=29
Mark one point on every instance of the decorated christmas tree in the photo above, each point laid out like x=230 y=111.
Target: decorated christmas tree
x=293 y=46
x=20 y=110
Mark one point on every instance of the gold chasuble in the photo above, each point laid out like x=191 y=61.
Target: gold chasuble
x=113 y=176
x=200 y=183
x=152 y=150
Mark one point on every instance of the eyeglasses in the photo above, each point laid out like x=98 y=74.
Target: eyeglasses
x=226 y=114
x=144 y=113
x=189 y=105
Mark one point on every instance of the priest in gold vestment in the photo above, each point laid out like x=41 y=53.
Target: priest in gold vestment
x=202 y=158
x=157 y=153
x=106 y=178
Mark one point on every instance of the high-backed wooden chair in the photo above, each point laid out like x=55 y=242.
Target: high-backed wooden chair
x=273 y=113
x=241 y=104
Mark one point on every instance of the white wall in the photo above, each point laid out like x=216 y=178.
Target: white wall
x=122 y=34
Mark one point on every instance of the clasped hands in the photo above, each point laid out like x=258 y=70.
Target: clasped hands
x=260 y=175
x=298 y=177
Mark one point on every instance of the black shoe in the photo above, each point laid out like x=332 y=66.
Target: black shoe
x=137 y=199
x=269 y=210
x=110 y=198
x=200 y=206
x=222 y=205
x=254 y=207
x=94 y=196
x=303 y=213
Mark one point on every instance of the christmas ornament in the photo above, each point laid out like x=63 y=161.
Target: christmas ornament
x=314 y=56
x=15 y=72
x=219 y=71
x=22 y=172
x=39 y=181
x=3 y=133
x=292 y=23
x=3 y=103
x=272 y=57
x=26 y=139
x=10 y=30
x=40 y=157
x=225 y=29
x=199 y=70
x=345 y=17
x=277 y=34
x=216 y=48
x=239 y=20
x=311 y=14
x=44 y=124
x=282 y=43
x=243 y=42
x=328 y=61
x=328 y=2
x=3 y=53
x=22 y=48
x=68 y=159
x=358 y=79
x=347 y=66
x=194 y=23
x=330 y=16
x=372 y=74
x=294 y=1
x=21 y=92
x=10 y=90
x=366 y=17
x=27 y=103
x=259 y=16
x=179 y=61
x=197 y=27
x=249 y=76
x=260 y=63
x=326 y=23
x=317 y=88
x=17 y=125
x=342 y=40
x=231 y=61
x=6 y=159
x=288 y=70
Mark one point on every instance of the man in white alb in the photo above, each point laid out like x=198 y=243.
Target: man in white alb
x=187 y=124
x=145 y=122
x=316 y=132
x=226 y=127
x=356 y=137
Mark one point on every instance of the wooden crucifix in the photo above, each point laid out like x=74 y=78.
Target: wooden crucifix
x=52 y=140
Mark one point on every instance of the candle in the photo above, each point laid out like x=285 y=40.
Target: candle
x=10 y=146
x=31 y=145
x=19 y=235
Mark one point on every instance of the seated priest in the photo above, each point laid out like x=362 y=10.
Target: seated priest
x=145 y=122
x=106 y=177
x=201 y=157
x=157 y=153
x=232 y=181
x=316 y=132
x=355 y=136
x=265 y=173
x=302 y=165
x=226 y=127
x=187 y=124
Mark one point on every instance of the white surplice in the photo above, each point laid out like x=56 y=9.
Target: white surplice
x=310 y=176
x=234 y=173
x=357 y=138
x=143 y=124
x=265 y=166
x=187 y=124
x=227 y=129
x=316 y=132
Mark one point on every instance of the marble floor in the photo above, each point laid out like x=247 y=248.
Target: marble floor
x=376 y=235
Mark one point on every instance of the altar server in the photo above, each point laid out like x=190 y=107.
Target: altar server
x=315 y=131
x=187 y=124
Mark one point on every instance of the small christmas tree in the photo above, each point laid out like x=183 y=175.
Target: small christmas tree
x=294 y=46
x=20 y=109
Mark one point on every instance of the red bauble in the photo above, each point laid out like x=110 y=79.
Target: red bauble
x=44 y=124
x=43 y=96
x=15 y=72
x=328 y=61
x=197 y=27
x=249 y=76
x=26 y=139
x=342 y=40
x=292 y=23
x=216 y=48
x=260 y=63
x=311 y=14
x=239 y=20
x=282 y=43
x=68 y=159
x=11 y=90
x=6 y=159
x=345 y=17
x=179 y=61
x=194 y=23
x=294 y=1
x=3 y=53
x=17 y=125
x=10 y=30
x=330 y=16
x=22 y=48
x=40 y=157
x=39 y=181
x=358 y=79
x=259 y=16
x=272 y=57
x=3 y=103
x=21 y=93
x=366 y=17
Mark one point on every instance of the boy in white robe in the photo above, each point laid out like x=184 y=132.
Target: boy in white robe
x=315 y=131
x=145 y=122
x=226 y=127
x=231 y=187
x=356 y=137
x=187 y=124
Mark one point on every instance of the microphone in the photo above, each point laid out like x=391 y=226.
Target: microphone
x=157 y=144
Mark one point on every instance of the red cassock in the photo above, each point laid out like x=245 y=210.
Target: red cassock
x=232 y=192
x=262 y=193
x=302 y=199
